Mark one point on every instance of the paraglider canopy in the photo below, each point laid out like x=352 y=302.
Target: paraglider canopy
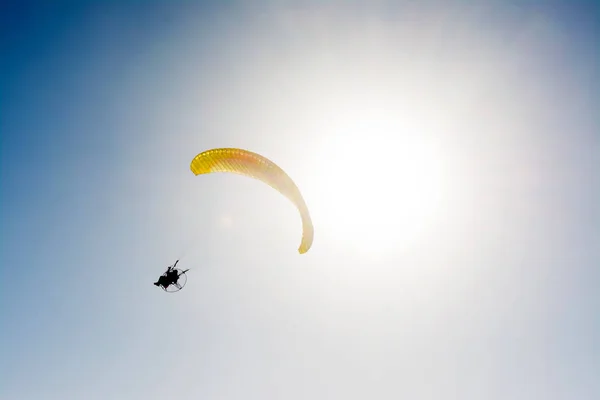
x=247 y=163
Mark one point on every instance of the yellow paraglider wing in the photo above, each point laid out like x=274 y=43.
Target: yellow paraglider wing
x=244 y=162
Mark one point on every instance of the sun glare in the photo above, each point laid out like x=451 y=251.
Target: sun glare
x=380 y=183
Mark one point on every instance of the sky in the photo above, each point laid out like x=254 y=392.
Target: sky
x=448 y=151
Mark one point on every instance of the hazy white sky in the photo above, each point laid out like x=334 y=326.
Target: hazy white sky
x=448 y=152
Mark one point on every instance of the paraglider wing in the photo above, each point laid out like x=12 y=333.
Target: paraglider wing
x=244 y=162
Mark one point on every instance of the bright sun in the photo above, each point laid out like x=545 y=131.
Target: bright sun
x=379 y=183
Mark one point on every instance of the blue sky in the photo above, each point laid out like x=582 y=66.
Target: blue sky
x=449 y=153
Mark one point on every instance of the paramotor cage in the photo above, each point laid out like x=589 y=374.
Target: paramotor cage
x=181 y=281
